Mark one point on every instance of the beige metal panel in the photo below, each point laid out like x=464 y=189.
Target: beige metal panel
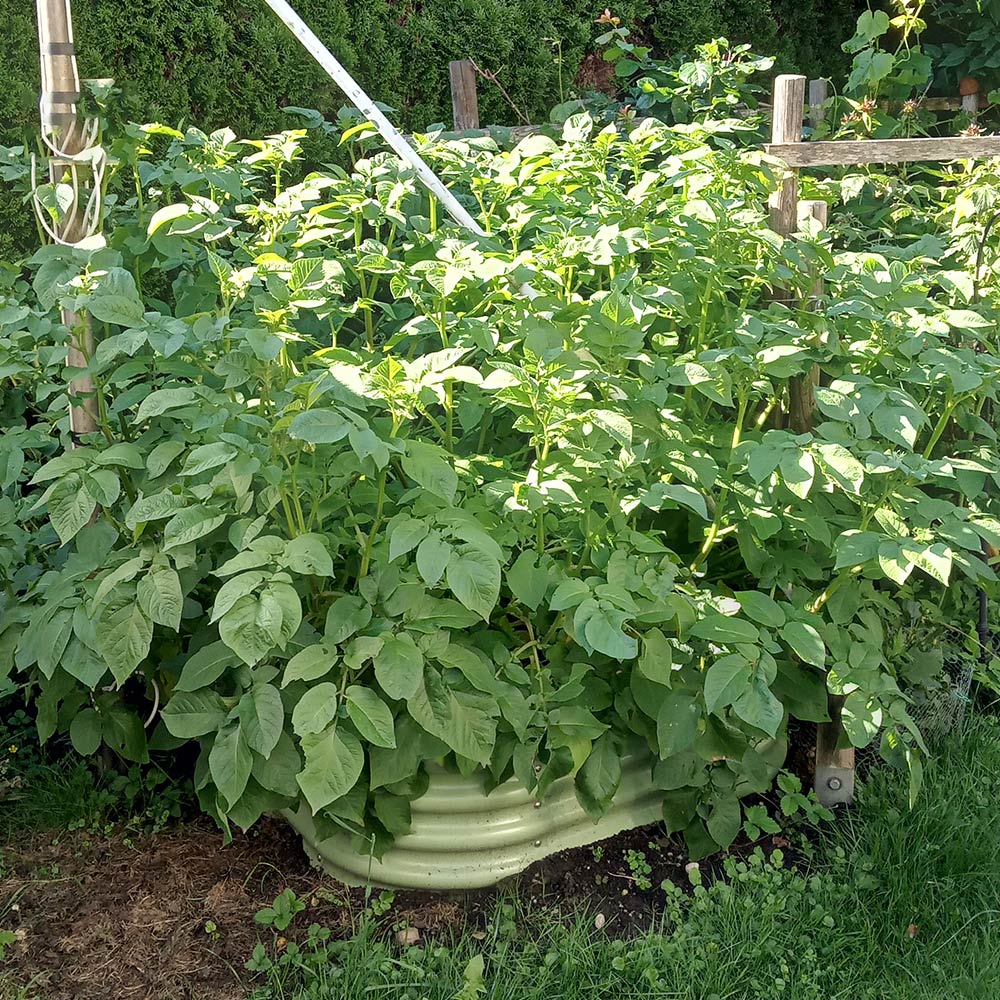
x=464 y=839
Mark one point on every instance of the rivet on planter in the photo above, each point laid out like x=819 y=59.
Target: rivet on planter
x=834 y=784
x=538 y=843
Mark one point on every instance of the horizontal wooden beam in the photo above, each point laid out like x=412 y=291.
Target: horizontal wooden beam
x=852 y=152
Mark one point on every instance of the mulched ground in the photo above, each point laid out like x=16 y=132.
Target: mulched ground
x=129 y=917
x=118 y=918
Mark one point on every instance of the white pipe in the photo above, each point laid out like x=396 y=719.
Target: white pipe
x=367 y=107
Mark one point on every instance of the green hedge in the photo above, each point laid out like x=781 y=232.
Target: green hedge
x=212 y=62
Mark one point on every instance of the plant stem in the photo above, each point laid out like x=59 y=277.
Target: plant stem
x=942 y=425
x=713 y=531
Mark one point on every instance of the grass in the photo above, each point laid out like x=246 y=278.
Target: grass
x=891 y=904
x=894 y=905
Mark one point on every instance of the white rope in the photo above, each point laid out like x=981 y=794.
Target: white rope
x=72 y=145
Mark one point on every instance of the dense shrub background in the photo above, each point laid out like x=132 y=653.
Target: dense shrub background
x=233 y=63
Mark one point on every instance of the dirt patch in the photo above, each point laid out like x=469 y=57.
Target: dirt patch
x=121 y=919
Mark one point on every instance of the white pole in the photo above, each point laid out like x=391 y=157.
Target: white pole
x=367 y=107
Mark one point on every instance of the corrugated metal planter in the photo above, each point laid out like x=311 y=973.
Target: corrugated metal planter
x=462 y=838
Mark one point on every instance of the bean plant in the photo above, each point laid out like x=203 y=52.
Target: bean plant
x=370 y=493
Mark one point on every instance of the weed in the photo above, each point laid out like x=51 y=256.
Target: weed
x=640 y=868
x=281 y=912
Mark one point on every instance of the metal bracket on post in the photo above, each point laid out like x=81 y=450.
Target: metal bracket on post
x=834 y=772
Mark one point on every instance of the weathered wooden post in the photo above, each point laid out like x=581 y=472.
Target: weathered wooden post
x=464 y=98
x=786 y=126
x=834 y=771
x=819 y=91
x=65 y=134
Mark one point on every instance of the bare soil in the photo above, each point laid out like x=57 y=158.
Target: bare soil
x=116 y=918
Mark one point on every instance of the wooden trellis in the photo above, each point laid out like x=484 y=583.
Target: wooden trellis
x=834 y=773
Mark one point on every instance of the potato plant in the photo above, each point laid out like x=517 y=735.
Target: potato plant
x=369 y=492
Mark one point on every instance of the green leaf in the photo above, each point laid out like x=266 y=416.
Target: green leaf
x=123 y=640
x=841 y=467
x=207 y=456
x=598 y=780
x=725 y=629
x=189 y=525
x=893 y=563
x=577 y=722
x=527 y=580
x=334 y=760
x=159 y=595
x=759 y=707
x=399 y=666
x=310 y=663
x=161 y=400
x=603 y=630
x=277 y=771
x=156 y=507
x=671 y=494
x=677 y=723
x=190 y=714
x=856 y=548
x=206 y=666
x=474 y=578
x=346 y=616
x=726 y=679
x=805 y=642
x=308 y=554
x=229 y=763
x=316 y=709
x=935 y=560
x=162 y=456
x=70 y=506
x=433 y=554
x=116 y=299
x=725 y=820
x=798 y=471
x=320 y=426
x=679 y=808
x=103 y=485
x=252 y=628
x=371 y=715
x=899 y=419
x=232 y=590
x=453 y=717
x=762 y=609
x=85 y=732
x=262 y=717
x=614 y=424
x=429 y=466
x=657 y=657
x=405 y=534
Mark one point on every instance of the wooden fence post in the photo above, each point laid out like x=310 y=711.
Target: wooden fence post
x=801 y=399
x=464 y=100
x=819 y=90
x=786 y=126
x=834 y=771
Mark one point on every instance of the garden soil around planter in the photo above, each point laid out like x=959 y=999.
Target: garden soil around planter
x=115 y=918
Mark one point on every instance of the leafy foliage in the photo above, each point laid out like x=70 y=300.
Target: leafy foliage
x=369 y=492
